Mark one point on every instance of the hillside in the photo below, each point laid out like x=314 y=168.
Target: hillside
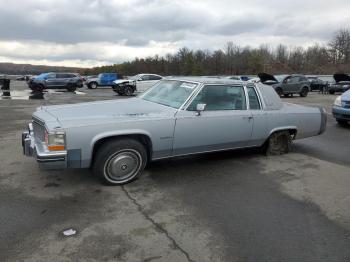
x=28 y=69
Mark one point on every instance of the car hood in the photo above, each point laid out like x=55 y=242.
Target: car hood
x=121 y=81
x=341 y=78
x=101 y=112
x=264 y=77
x=346 y=96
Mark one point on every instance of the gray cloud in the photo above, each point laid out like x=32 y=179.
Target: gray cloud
x=83 y=29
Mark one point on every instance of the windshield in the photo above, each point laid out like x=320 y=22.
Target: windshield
x=170 y=93
x=280 y=78
x=41 y=76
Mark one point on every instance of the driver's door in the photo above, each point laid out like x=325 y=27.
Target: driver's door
x=226 y=123
x=51 y=80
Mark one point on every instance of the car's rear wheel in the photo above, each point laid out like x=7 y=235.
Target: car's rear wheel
x=304 y=91
x=120 y=161
x=92 y=85
x=286 y=95
x=331 y=92
x=279 y=91
x=279 y=143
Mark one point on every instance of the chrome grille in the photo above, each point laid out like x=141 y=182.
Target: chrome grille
x=38 y=129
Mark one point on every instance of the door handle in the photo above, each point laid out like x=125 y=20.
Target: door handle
x=247 y=117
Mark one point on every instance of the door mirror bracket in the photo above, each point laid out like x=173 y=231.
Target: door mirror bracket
x=200 y=108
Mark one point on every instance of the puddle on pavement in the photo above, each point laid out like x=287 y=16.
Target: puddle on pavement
x=31 y=95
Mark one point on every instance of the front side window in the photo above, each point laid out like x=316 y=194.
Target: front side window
x=170 y=93
x=294 y=79
x=220 y=97
x=51 y=76
x=253 y=99
x=145 y=77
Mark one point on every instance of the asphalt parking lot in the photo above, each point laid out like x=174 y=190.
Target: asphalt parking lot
x=231 y=206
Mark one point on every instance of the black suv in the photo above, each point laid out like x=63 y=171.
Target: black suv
x=69 y=81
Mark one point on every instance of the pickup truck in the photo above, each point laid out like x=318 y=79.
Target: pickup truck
x=175 y=117
x=103 y=79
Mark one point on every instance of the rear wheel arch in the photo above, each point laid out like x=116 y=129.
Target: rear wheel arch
x=279 y=141
x=145 y=140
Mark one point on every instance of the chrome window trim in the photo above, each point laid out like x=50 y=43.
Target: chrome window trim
x=257 y=94
x=260 y=96
x=203 y=85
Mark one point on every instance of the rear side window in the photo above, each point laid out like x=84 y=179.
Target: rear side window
x=154 y=77
x=253 y=99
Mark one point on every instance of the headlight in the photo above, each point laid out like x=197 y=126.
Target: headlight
x=337 y=101
x=55 y=141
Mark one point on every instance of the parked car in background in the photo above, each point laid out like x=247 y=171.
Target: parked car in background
x=140 y=82
x=241 y=78
x=179 y=116
x=254 y=80
x=342 y=83
x=317 y=84
x=287 y=84
x=103 y=79
x=69 y=81
x=341 y=108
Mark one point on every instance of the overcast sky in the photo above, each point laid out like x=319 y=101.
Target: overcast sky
x=97 y=32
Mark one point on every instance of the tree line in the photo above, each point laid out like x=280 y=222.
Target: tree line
x=233 y=59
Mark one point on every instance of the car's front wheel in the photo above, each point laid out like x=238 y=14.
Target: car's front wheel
x=342 y=122
x=120 y=161
x=304 y=92
x=71 y=88
x=128 y=91
x=279 y=91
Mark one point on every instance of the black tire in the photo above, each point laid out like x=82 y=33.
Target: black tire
x=304 y=91
x=331 y=92
x=286 y=95
x=279 y=143
x=128 y=91
x=92 y=85
x=342 y=122
x=279 y=91
x=120 y=161
x=71 y=88
x=38 y=88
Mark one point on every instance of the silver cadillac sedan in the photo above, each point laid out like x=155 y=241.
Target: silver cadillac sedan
x=176 y=117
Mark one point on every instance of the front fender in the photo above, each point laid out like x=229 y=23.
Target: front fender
x=117 y=133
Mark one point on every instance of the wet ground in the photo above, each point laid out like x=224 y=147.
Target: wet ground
x=232 y=206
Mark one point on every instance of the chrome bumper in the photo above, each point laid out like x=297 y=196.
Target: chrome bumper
x=39 y=151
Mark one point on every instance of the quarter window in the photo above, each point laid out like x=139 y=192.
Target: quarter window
x=220 y=97
x=253 y=99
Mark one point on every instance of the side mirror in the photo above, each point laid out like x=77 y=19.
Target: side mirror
x=200 y=108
